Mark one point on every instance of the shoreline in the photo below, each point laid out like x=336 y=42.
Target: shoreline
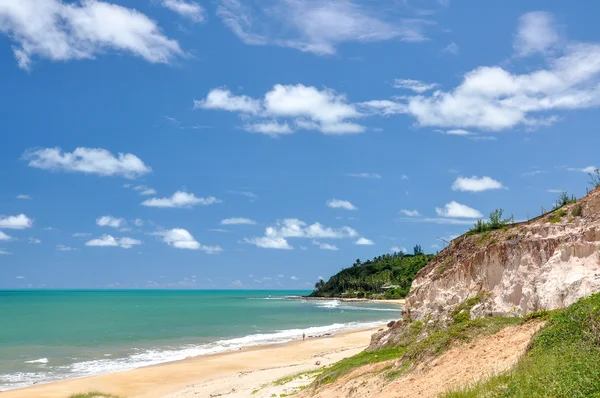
x=173 y=379
x=353 y=300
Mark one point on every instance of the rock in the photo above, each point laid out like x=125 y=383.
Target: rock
x=318 y=363
x=390 y=324
x=523 y=268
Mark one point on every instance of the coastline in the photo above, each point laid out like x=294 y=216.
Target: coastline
x=354 y=300
x=239 y=372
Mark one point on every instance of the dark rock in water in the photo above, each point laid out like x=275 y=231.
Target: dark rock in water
x=391 y=323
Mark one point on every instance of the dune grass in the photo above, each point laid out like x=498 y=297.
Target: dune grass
x=563 y=360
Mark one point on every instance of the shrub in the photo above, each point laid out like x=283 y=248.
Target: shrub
x=576 y=211
x=595 y=178
x=495 y=222
x=563 y=200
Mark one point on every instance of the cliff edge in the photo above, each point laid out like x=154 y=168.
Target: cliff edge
x=546 y=263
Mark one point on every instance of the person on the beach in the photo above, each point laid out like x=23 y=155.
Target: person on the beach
x=303 y=336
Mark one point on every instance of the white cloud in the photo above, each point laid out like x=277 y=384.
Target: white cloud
x=237 y=283
x=451 y=48
x=454 y=209
x=294 y=278
x=557 y=190
x=397 y=249
x=190 y=10
x=536 y=33
x=410 y=213
x=237 y=221
x=312 y=26
x=16 y=222
x=533 y=173
x=180 y=199
x=440 y=220
x=267 y=242
x=341 y=204
x=4 y=252
x=458 y=132
x=180 y=238
x=23 y=196
x=64 y=248
x=110 y=241
x=365 y=175
x=19 y=277
x=149 y=191
x=34 y=241
x=272 y=128
x=404 y=177
x=469 y=135
x=307 y=107
x=476 y=184
x=4 y=236
x=493 y=98
x=364 y=242
x=81 y=234
x=250 y=195
x=414 y=85
x=59 y=31
x=588 y=169
x=109 y=221
x=325 y=246
x=87 y=160
x=276 y=235
x=281 y=276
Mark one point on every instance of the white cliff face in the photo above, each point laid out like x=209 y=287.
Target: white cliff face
x=529 y=267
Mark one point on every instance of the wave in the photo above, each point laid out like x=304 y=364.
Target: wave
x=147 y=357
x=41 y=360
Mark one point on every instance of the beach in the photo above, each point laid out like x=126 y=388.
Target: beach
x=232 y=374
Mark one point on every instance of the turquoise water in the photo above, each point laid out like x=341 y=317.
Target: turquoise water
x=51 y=335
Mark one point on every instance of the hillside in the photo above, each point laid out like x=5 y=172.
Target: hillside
x=386 y=276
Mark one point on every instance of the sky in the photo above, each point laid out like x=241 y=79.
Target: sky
x=266 y=144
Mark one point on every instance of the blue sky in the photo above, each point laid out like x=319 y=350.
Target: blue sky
x=264 y=144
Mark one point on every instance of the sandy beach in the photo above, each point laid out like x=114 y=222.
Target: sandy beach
x=233 y=374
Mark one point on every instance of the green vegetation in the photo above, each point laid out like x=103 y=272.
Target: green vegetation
x=462 y=312
x=495 y=222
x=415 y=345
x=563 y=359
x=564 y=200
x=595 y=178
x=93 y=394
x=577 y=210
x=387 y=276
x=557 y=215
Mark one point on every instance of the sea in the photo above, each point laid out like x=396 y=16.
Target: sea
x=49 y=335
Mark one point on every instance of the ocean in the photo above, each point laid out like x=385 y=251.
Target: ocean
x=49 y=335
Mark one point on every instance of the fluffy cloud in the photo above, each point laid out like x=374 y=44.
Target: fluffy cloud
x=414 y=85
x=475 y=184
x=308 y=108
x=87 y=160
x=314 y=26
x=325 y=246
x=451 y=48
x=180 y=238
x=23 y=196
x=294 y=278
x=16 y=222
x=190 y=10
x=276 y=235
x=237 y=221
x=34 y=241
x=267 y=242
x=410 y=213
x=364 y=242
x=341 y=204
x=365 y=175
x=493 y=98
x=62 y=31
x=142 y=189
x=4 y=236
x=457 y=210
x=110 y=241
x=109 y=221
x=536 y=33
x=180 y=199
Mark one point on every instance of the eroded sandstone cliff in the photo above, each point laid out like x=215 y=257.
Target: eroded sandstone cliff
x=546 y=263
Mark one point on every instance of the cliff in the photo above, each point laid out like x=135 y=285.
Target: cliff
x=546 y=263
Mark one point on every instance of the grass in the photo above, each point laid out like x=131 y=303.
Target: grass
x=563 y=359
x=556 y=216
x=415 y=346
x=93 y=394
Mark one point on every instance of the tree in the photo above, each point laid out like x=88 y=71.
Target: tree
x=417 y=250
